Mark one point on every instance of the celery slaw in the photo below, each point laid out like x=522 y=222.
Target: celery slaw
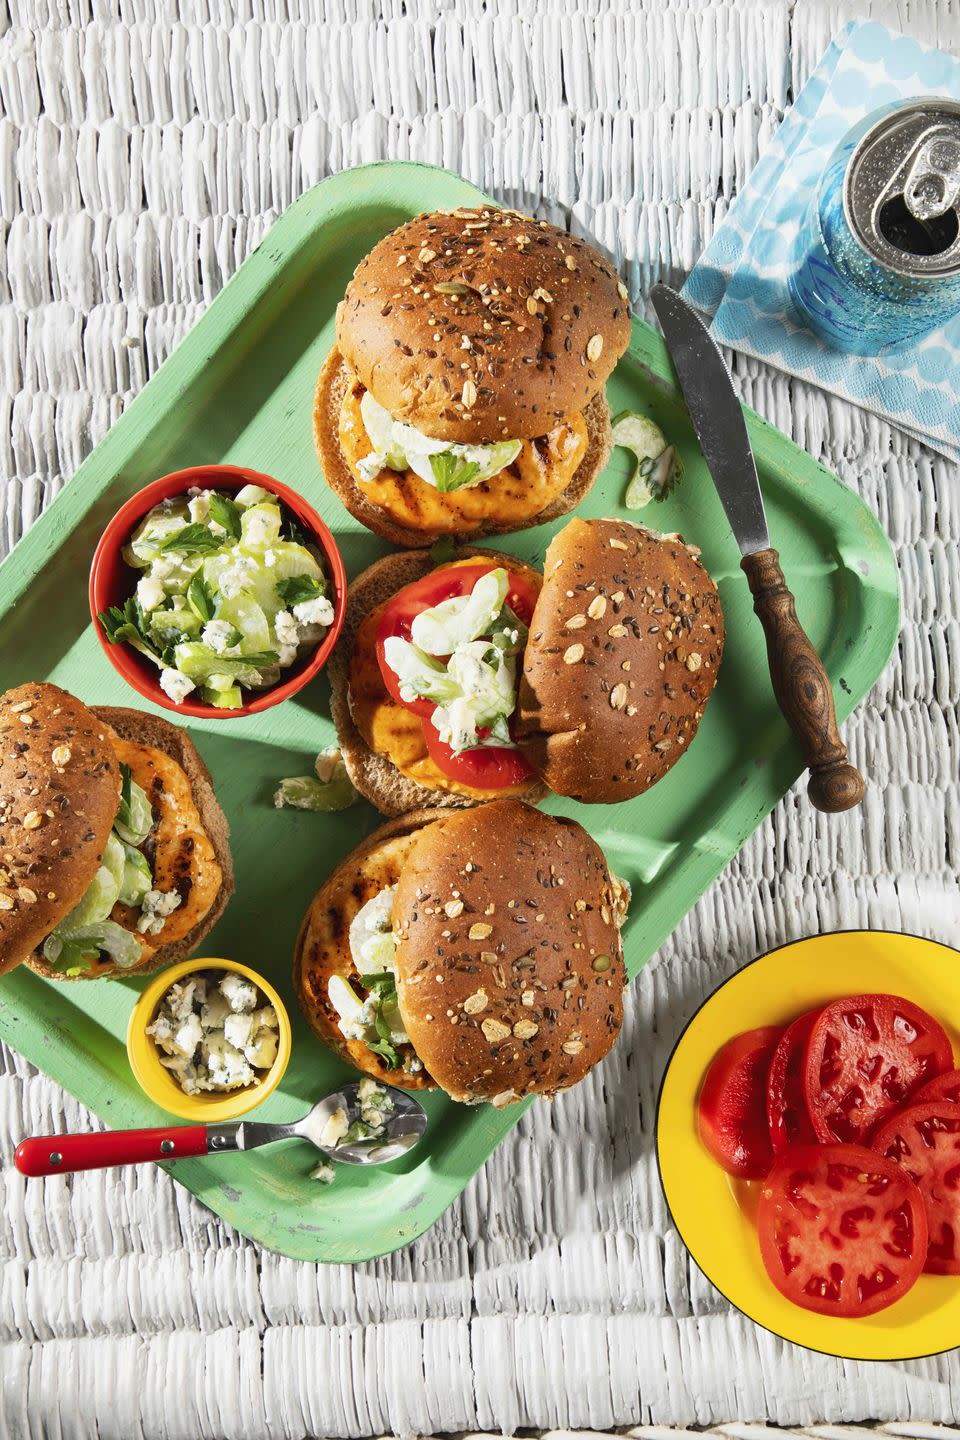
x=87 y=933
x=443 y=465
x=231 y=593
x=462 y=656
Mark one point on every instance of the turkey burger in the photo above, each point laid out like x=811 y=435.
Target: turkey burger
x=113 y=849
x=465 y=393
x=481 y=678
x=475 y=950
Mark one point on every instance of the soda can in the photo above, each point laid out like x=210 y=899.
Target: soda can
x=877 y=260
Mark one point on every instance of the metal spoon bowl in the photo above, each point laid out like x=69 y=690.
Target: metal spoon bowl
x=402 y=1129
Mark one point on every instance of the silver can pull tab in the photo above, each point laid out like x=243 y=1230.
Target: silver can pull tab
x=932 y=185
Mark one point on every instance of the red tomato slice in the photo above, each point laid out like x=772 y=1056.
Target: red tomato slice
x=865 y=1056
x=842 y=1230
x=731 y=1109
x=488 y=767
x=924 y=1140
x=787 y=1116
x=441 y=584
x=942 y=1087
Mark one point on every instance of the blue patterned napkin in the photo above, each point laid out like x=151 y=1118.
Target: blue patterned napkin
x=741 y=278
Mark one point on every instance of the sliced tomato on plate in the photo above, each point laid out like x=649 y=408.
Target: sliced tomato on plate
x=924 y=1140
x=941 y=1087
x=842 y=1230
x=865 y=1056
x=787 y=1116
x=486 y=767
x=731 y=1110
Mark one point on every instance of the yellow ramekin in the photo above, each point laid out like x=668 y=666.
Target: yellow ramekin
x=160 y=1085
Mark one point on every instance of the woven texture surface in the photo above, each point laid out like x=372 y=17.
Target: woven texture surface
x=143 y=152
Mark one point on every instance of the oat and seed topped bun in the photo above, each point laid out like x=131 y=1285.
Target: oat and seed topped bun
x=477 y=325
x=60 y=780
x=59 y=783
x=509 y=963
x=621 y=659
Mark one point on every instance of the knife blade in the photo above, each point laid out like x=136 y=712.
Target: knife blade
x=717 y=417
x=800 y=682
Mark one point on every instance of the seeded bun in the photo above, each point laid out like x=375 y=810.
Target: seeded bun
x=331 y=388
x=323 y=947
x=538 y=317
x=59 y=795
x=375 y=776
x=59 y=787
x=145 y=729
x=509 y=963
x=621 y=660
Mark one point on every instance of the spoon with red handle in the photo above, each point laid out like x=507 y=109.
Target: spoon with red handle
x=403 y=1127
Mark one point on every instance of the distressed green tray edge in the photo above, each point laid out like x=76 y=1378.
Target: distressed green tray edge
x=384 y=183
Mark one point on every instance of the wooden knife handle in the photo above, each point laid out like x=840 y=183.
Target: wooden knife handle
x=802 y=687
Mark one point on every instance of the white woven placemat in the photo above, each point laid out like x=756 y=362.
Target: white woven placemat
x=142 y=155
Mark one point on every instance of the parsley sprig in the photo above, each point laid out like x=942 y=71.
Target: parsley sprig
x=452 y=472
x=297 y=589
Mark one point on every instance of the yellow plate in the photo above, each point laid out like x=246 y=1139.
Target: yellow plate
x=714 y=1213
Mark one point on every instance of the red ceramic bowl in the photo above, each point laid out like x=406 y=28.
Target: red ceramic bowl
x=112 y=581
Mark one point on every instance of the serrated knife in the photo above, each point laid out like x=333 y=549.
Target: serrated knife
x=800 y=682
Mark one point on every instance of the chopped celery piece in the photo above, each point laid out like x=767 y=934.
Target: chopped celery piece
x=248 y=617
x=105 y=937
x=95 y=904
x=198 y=662
x=114 y=857
x=220 y=682
x=135 y=816
x=177 y=623
x=260 y=526
x=659 y=466
x=137 y=877
x=329 y=788
x=251 y=495
x=306 y=792
x=156 y=528
x=227 y=699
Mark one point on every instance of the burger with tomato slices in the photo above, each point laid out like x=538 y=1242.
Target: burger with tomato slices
x=481 y=678
x=476 y=950
x=465 y=393
x=114 y=856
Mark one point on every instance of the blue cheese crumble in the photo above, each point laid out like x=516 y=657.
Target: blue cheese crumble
x=215 y=1032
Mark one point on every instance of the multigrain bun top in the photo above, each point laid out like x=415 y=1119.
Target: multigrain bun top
x=509 y=961
x=59 y=793
x=483 y=325
x=622 y=657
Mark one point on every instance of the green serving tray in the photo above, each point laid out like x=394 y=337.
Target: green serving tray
x=239 y=390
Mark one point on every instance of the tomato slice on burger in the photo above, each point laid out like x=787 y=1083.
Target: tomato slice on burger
x=787 y=1116
x=924 y=1140
x=866 y=1055
x=942 y=1087
x=731 y=1110
x=486 y=767
x=842 y=1230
